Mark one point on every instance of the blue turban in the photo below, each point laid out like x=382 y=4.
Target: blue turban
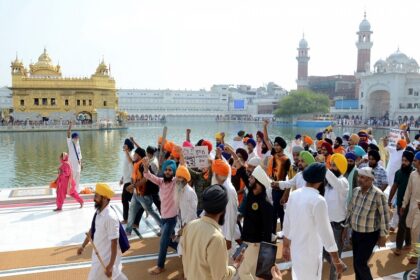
x=318 y=136
x=252 y=142
x=227 y=156
x=169 y=163
x=315 y=173
x=74 y=135
x=298 y=136
x=351 y=155
x=359 y=151
x=417 y=157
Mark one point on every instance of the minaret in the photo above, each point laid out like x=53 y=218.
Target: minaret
x=303 y=59
x=363 y=46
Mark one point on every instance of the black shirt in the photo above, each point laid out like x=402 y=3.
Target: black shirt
x=258 y=219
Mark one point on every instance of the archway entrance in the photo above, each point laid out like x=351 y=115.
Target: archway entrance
x=378 y=104
x=84 y=117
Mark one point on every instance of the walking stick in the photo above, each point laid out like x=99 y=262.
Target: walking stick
x=96 y=252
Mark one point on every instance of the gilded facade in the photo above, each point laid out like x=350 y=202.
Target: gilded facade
x=42 y=93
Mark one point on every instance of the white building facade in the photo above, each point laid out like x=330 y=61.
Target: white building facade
x=6 y=106
x=392 y=90
x=220 y=101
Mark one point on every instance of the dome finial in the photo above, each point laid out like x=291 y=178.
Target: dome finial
x=364 y=15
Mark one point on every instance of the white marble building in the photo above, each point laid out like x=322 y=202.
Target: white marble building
x=5 y=102
x=221 y=100
x=392 y=90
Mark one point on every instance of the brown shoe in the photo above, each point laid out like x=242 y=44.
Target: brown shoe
x=124 y=222
x=135 y=226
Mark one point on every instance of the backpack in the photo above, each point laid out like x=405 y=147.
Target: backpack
x=123 y=240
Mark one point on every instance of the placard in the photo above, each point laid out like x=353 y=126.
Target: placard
x=197 y=157
x=393 y=136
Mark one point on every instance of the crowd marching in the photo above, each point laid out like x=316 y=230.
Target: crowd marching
x=333 y=193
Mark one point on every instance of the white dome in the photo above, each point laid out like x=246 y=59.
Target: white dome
x=398 y=57
x=364 y=25
x=380 y=62
x=397 y=62
x=303 y=44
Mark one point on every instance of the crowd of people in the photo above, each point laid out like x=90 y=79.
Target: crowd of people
x=333 y=192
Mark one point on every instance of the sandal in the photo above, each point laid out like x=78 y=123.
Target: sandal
x=57 y=209
x=156 y=270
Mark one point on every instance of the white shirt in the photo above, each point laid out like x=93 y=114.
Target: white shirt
x=336 y=192
x=187 y=205
x=107 y=228
x=296 y=182
x=236 y=144
x=231 y=215
x=307 y=225
x=154 y=165
x=252 y=155
x=74 y=162
x=394 y=163
x=127 y=168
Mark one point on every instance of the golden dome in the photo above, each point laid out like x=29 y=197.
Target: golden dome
x=44 y=66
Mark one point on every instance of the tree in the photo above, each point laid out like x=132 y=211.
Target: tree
x=303 y=102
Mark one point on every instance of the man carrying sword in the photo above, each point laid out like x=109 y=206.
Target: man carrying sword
x=106 y=256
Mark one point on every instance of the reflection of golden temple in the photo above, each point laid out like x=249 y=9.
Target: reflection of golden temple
x=42 y=93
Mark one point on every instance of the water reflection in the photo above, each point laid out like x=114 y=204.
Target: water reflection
x=32 y=158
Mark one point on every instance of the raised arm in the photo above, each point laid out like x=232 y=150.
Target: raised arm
x=334 y=182
x=148 y=175
x=69 y=130
x=266 y=139
x=178 y=149
x=134 y=142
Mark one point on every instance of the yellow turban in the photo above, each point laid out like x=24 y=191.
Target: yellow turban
x=183 y=172
x=218 y=136
x=104 y=190
x=340 y=161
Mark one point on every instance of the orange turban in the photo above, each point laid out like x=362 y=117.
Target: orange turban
x=183 y=172
x=246 y=140
x=169 y=146
x=160 y=140
x=308 y=140
x=402 y=143
x=174 y=153
x=319 y=143
x=220 y=167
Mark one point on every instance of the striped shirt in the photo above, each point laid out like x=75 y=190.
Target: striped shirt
x=368 y=212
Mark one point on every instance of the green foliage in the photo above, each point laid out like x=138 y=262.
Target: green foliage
x=303 y=102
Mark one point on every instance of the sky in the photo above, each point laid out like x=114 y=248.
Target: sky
x=191 y=44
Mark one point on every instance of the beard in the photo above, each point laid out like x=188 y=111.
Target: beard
x=406 y=169
x=373 y=166
x=221 y=221
x=350 y=167
x=321 y=188
x=336 y=173
x=167 y=179
x=179 y=186
x=336 y=146
x=98 y=205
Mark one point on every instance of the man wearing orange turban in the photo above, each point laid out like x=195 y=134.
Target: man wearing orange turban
x=221 y=170
x=395 y=159
x=185 y=197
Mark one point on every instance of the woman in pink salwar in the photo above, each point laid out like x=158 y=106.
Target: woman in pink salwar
x=65 y=183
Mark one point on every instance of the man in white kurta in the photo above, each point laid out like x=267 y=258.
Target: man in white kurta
x=106 y=234
x=307 y=228
x=222 y=171
x=75 y=156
